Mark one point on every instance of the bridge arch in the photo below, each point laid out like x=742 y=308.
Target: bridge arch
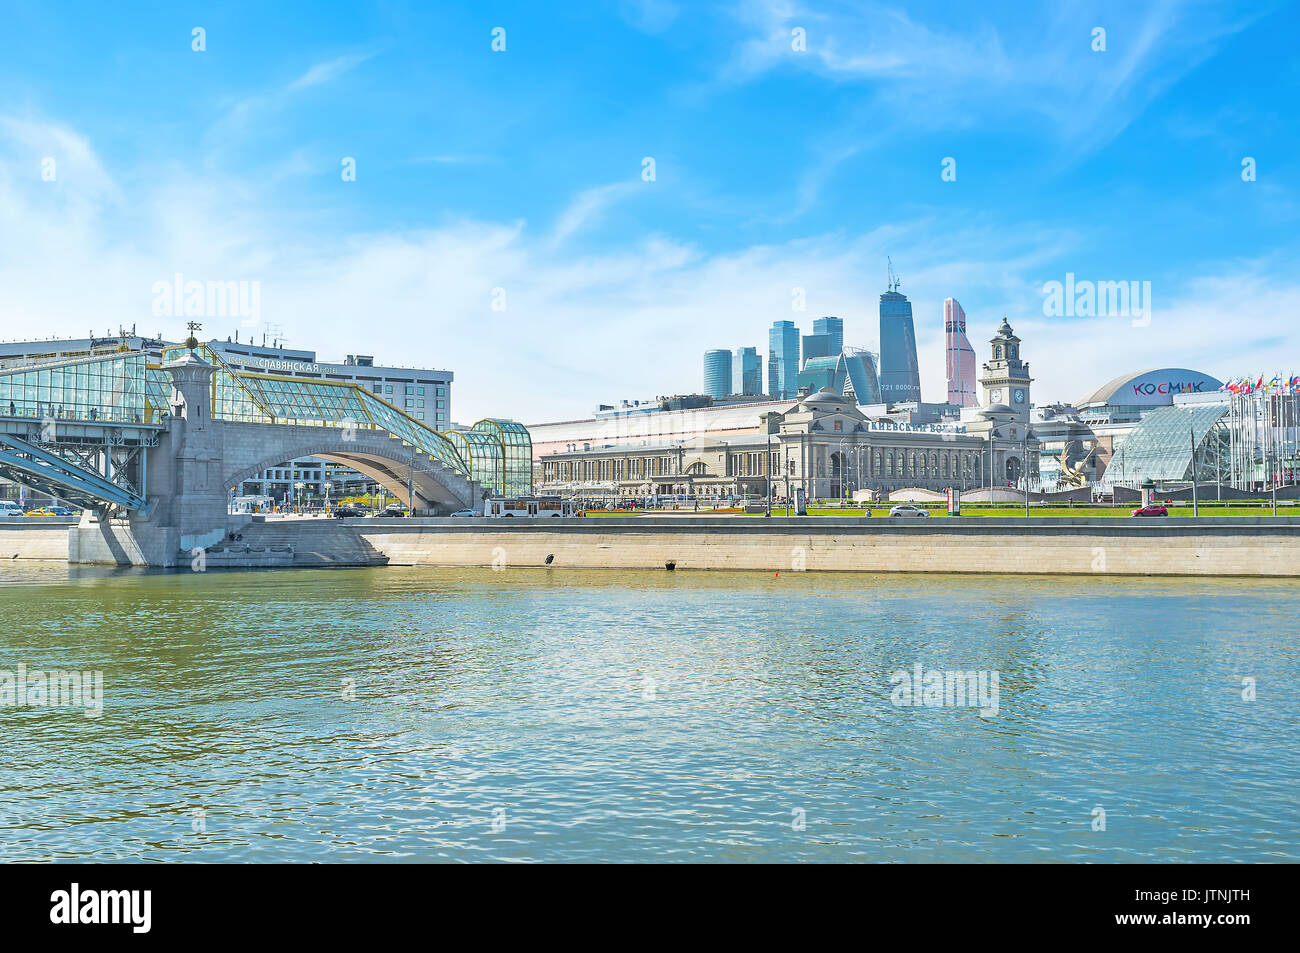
x=382 y=458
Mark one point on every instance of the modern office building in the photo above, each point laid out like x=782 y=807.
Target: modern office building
x=814 y=346
x=15 y=353
x=834 y=327
x=851 y=374
x=861 y=375
x=900 y=376
x=783 y=360
x=747 y=372
x=717 y=372
x=959 y=356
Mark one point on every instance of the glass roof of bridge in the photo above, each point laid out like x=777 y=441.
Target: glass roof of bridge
x=124 y=386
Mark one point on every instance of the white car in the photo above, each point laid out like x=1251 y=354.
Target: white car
x=10 y=508
x=907 y=509
x=464 y=513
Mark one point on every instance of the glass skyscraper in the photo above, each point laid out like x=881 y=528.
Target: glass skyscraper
x=717 y=373
x=814 y=346
x=783 y=360
x=960 y=362
x=747 y=371
x=900 y=376
x=833 y=327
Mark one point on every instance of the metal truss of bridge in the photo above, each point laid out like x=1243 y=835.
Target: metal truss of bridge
x=76 y=429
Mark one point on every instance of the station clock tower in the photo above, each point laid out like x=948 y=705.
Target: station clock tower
x=1006 y=379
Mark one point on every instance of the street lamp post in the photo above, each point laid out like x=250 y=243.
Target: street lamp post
x=767 y=469
x=990 y=466
x=787 y=469
x=1024 y=466
x=410 y=488
x=328 y=486
x=843 y=468
x=1272 y=479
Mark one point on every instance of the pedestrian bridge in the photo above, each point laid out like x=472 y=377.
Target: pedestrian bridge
x=98 y=430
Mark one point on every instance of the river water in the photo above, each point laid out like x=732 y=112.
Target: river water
x=426 y=714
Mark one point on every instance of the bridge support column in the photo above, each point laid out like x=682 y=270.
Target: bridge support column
x=189 y=509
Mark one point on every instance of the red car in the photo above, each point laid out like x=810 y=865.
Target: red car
x=1151 y=511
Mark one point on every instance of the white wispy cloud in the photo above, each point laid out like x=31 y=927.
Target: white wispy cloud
x=245 y=113
x=590 y=204
x=939 y=77
x=328 y=71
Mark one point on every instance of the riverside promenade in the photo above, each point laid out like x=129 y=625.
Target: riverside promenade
x=1204 y=546
x=1174 y=546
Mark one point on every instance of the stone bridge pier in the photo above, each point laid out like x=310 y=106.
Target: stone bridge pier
x=199 y=459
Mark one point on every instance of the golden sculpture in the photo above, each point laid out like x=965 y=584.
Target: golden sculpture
x=1073 y=476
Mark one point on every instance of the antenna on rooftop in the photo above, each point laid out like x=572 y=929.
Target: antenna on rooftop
x=894 y=280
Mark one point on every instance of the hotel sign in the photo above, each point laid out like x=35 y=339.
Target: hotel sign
x=271 y=365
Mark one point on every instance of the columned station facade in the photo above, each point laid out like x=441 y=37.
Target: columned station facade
x=822 y=443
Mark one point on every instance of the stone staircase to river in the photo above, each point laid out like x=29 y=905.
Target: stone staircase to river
x=297 y=543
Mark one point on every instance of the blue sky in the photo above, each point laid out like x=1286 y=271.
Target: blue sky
x=776 y=169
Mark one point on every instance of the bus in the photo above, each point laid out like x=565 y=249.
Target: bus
x=498 y=507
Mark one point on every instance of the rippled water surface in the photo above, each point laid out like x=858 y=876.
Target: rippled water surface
x=534 y=715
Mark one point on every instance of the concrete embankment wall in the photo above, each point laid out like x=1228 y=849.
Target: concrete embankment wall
x=35 y=537
x=1248 y=546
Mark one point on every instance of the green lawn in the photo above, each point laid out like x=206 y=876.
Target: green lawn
x=879 y=511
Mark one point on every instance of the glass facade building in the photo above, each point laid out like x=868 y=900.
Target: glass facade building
x=862 y=377
x=900 y=376
x=747 y=371
x=1168 y=441
x=819 y=372
x=851 y=374
x=834 y=328
x=783 y=360
x=814 y=346
x=717 y=373
x=960 y=357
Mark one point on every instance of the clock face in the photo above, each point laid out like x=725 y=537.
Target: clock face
x=995 y=395
x=1019 y=396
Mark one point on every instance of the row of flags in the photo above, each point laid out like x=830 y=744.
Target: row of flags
x=1278 y=385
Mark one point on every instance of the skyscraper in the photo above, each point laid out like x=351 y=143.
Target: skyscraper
x=835 y=328
x=900 y=376
x=813 y=346
x=960 y=356
x=717 y=373
x=783 y=360
x=861 y=377
x=747 y=371
x=852 y=372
